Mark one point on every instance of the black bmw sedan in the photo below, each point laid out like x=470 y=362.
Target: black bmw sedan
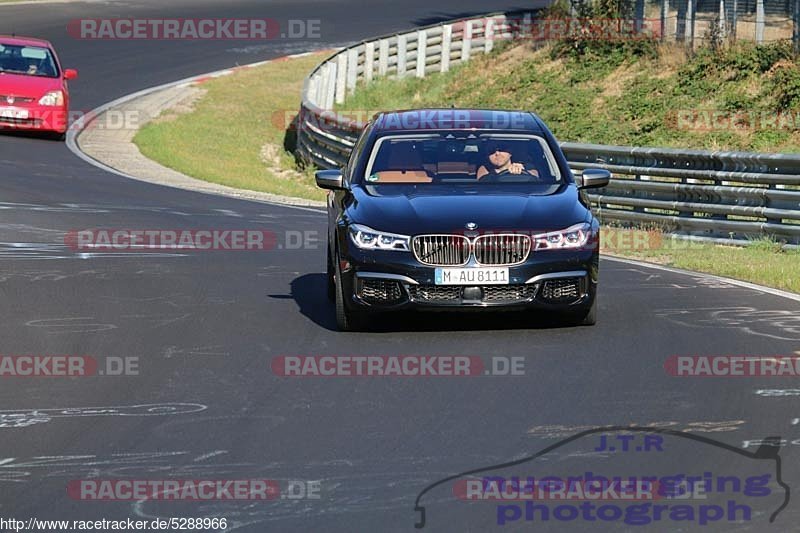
x=460 y=209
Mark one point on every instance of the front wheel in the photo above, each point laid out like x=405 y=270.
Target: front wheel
x=56 y=136
x=331 y=278
x=590 y=319
x=585 y=317
x=346 y=319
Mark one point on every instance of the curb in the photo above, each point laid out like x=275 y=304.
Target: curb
x=201 y=186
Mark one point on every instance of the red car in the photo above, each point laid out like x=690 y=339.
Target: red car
x=33 y=87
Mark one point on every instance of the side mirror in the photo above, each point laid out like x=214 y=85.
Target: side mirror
x=329 y=179
x=593 y=178
x=70 y=74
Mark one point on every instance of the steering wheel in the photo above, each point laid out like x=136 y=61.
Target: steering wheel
x=505 y=176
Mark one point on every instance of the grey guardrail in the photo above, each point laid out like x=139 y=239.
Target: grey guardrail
x=720 y=196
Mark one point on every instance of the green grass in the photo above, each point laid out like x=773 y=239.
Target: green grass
x=221 y=140
x=761 y=262
x=636 y=96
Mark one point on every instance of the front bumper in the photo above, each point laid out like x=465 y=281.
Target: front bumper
x=390 y=280
x=34 y=118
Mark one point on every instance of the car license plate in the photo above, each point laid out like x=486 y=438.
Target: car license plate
x=10 y=112
x=472 y=276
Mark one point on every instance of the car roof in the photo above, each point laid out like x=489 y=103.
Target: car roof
x=432 y=119
x=24 y=41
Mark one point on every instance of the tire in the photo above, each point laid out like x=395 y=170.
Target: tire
x=346 y=319
x=56 y=136
x=331 y=278
x=585 y=317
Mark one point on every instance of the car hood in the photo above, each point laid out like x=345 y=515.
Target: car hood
x=410 y=211
x=28 y=86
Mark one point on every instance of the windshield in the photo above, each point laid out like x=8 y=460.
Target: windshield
x=458 y=159
x=27 y=60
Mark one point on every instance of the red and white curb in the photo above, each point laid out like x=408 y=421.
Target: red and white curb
x=73 y=134
x=202 y=78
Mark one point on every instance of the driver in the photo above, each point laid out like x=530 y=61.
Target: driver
x=499 y=159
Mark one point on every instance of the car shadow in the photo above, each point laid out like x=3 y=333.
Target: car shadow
x=309 y=291
x=22 y=134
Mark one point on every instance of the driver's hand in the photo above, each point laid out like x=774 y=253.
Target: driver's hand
x=516 y=168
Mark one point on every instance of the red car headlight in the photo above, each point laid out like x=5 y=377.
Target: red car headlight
x=53 y=98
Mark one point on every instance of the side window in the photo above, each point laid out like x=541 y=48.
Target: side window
x=352 y=161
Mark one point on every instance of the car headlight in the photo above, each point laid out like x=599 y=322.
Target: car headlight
x=367 y=238
x=53 y=98
x=576 y=236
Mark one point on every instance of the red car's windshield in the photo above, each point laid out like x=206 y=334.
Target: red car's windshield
x=27 y=60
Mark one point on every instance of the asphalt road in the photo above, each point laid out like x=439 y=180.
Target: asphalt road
x=205 y=327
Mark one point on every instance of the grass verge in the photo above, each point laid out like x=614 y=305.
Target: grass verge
x=761 y=262
x=235 y=134
x=742 y=97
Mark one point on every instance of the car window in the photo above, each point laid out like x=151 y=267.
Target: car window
x=27 y=60
x=471 y=159
x=356 y=152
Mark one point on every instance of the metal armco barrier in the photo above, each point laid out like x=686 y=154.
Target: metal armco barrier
x=703 y=194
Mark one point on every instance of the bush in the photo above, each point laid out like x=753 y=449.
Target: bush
x=588 y=39
x=785 y=87
x=756 y=59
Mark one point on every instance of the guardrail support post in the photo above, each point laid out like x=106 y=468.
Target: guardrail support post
x=313 y=88
x=330 y=85
x=369 y=60
x=639 y=17
x=447 y=37
x=402 y=52
x=796 y=26
x=466 y=41
x=341 y=78
x=422 y=42
x=759 y=21
x=488 y=35
x=383 y=57
x=526 y=31
x=352 y=69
